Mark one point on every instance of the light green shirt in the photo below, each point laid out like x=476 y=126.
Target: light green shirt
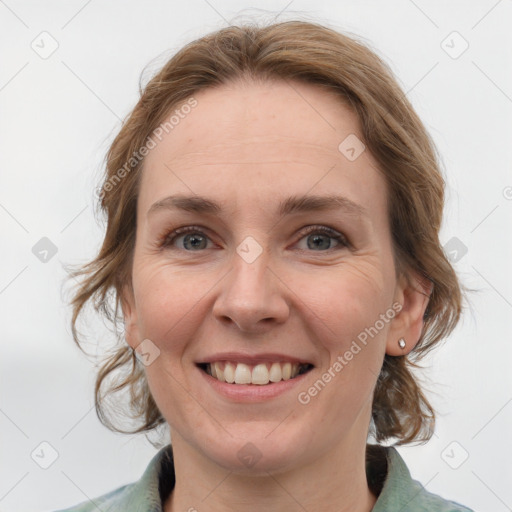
x=400 y=493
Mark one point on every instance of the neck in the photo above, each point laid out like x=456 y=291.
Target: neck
x=334 y=481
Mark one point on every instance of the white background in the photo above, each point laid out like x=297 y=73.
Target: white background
x=58 y=116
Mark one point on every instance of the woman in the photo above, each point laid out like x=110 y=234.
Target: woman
x=273 y=206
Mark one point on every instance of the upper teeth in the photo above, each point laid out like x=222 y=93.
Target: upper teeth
x=240 y=373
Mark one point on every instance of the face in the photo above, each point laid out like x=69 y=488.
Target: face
x=263 y=253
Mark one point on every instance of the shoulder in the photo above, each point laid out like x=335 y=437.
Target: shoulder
x=147 y=493
x=401 y=492
x=107 y=501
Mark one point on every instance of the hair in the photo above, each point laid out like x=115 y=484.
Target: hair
x=296 y=51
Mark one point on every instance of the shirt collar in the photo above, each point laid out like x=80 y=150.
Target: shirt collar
x=399 y=490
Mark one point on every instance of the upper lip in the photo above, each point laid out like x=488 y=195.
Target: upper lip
x=252 y=359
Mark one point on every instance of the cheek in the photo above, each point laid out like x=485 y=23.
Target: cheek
x=346 y=323
x=168 y=302
x=347 y=301
x=169 y=310
x=346 y=320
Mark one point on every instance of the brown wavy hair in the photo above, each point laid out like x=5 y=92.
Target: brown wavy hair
x=290 y=51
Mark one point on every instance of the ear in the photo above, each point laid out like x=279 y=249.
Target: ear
x=412 y=293
x=130 y=317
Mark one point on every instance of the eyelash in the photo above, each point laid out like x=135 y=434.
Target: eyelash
x=169 y=238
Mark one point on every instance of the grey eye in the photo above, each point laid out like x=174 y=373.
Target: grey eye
x=319 y=241
x=194 y=241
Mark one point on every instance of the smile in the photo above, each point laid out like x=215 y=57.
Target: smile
x=260 y=374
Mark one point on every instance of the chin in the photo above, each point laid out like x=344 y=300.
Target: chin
x=251 y=453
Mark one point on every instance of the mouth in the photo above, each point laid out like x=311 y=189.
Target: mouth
x=260 y=374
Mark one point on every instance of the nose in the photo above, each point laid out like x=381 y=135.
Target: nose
x=252 y=297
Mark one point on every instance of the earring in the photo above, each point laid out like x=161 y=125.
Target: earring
x=401 y=343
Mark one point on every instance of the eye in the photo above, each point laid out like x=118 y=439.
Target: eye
x=319 y=238
x=193 y=239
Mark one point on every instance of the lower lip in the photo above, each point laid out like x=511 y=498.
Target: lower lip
x=252 y=392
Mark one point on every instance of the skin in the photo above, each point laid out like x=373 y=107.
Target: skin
x=248 y=146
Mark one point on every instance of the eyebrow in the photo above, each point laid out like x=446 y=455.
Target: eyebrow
x=291 y=205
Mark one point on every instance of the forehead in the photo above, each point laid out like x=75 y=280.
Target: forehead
x=259 y=113
x=287 y=134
